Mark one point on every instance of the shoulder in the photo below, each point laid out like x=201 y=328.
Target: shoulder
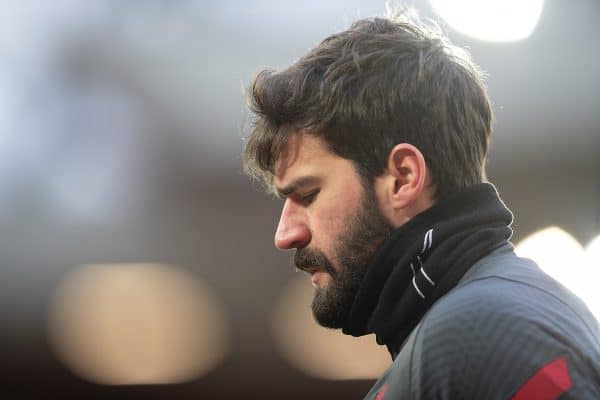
x=489 y=335
x=504 y=288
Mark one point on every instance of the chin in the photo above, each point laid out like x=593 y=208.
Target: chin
x=329 y=309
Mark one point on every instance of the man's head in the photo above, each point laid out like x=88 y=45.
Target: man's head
x=361 y=134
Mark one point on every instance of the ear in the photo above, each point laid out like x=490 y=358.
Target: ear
x=406 y=176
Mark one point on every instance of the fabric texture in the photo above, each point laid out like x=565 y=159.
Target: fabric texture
x=425 y=258
x=506 y=330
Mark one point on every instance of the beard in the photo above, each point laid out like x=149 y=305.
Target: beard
x=355 y=248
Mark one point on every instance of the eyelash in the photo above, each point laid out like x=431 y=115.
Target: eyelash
x=309 y=198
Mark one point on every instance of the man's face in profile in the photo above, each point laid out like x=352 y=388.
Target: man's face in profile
x=332 y=220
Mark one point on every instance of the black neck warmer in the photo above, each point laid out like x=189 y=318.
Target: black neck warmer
x=425 y=258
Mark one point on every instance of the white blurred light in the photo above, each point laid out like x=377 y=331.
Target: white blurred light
x=492 y=20
x=592 y=252
x=125 y=324
x=320 y=352
x=561 y=256
x=592 y=259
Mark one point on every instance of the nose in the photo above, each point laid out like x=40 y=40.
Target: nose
x=292 y=230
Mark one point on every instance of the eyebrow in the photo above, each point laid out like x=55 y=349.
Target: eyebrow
x=297 y=184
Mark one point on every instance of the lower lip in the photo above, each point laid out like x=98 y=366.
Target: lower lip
x=316 y=277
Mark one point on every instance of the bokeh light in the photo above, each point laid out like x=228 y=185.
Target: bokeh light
x=125 y=324
x=592 y=252
x=561 y=256
x=495 y=20
x=317 y=351
x=592 y=260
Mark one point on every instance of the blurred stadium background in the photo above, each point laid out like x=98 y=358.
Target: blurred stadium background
x=136 y=259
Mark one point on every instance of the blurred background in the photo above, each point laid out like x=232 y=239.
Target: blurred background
x=136 y=259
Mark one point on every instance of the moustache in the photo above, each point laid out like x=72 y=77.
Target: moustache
x=309 y=260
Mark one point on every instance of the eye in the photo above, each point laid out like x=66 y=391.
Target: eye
x=309 y=198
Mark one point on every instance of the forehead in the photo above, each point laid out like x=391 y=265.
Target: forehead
x=302 y=154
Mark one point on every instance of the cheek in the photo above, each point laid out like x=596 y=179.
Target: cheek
x=330 y=220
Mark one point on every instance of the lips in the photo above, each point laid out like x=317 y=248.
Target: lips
x=317 y=277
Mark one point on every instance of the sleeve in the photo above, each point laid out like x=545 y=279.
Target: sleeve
x=508 y=341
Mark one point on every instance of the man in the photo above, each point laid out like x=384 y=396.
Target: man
x=377 y=140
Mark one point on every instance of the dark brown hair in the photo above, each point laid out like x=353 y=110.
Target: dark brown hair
x=382 y=82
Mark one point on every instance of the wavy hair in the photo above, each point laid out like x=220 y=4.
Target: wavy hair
x=382 y=82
